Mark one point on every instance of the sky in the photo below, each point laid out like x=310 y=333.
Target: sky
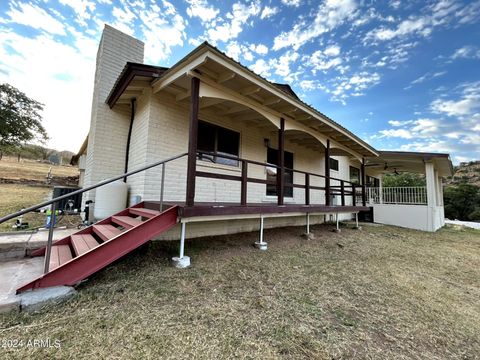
x=401 y=75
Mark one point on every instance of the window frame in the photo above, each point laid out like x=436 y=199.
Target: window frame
x=217 y=154
x=356 y=182
x=271 y=190
x=330 y=159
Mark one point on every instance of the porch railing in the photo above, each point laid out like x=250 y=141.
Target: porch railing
x=343 y=189
x=411 y=195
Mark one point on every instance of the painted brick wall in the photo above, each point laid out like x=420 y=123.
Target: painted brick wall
x=109 y=128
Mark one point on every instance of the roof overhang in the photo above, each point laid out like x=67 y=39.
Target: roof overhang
x=406 y=161
x=81 y=151
x=225 y=73
x=133 y=79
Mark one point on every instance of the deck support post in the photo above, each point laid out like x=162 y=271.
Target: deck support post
x=182 y=261
x=356 y=222
x=327 y=173
x=192 y=141
x=261 y=245
x=363 y=179
x=281 y=163
x=308 y=223
x=337 y=227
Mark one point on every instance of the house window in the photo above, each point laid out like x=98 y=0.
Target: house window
x=272 y=158
x=372 y=182
x=218 y=141
x=354 y=175
x=333 y=164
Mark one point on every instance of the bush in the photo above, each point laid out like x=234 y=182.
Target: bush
x=462 y=202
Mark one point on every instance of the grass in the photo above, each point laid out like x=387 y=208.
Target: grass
x=10 y=168
x=14 y=197
x=379 y=293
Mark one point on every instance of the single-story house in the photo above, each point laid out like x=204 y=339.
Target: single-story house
x=227 y=151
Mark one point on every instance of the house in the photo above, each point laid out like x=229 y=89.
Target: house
x=211 y=148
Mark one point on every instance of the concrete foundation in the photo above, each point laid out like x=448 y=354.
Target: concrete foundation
x=261 y=245
x=181 y=263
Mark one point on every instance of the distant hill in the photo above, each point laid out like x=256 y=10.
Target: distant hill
x=466 y=172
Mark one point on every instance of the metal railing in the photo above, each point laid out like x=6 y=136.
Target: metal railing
x=411 y=195
x=54 y=201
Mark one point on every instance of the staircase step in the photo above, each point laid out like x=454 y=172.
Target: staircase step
x=126 y=221
x=144 y=212
x=82 y=243
x=106 y=232
x=60 y=255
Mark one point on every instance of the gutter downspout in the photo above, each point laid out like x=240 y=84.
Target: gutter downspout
x=129 y=137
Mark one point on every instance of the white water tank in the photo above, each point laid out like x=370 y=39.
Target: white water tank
x=110 y=199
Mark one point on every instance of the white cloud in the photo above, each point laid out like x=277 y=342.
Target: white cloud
x=466 y=52
x=234 y=50
x=330 y=14
x=124 y=19
x=261 y=67
x=282 y=64
x=406 y=27
x=295 y=3
x=35 y=17
x=237 y=18
x=308 y=85
x=161 y=32
x=202 y=10
x=268 y=12
x=83 y=9
x=466 y=105
x=259 y=49
x=398 y=133
x=332 y=50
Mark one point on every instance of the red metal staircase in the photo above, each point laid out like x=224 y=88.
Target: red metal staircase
x=89 y=250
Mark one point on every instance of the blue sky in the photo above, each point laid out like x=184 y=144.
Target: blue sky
x=402 y=75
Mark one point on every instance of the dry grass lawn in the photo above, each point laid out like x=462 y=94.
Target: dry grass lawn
x=10 y=168
x=379 y=293
x=14 y=197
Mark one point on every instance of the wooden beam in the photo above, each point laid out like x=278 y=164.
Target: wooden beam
x=281 y=162
x=226 y=76
x=327 y=173
x=207 y=102
x=182 y=96
x=271 y=101
x=250 y=90
x=192 y=142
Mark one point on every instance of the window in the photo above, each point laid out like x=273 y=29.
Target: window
x=372 y=182
x=333 y=164
x=272 y=158
x=218 y=141
x=354 y=175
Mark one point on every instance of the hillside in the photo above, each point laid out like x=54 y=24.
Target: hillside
x=466 y=173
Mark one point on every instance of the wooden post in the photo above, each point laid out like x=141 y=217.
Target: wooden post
x=342 y=191
x=364 y=192
x=354 y=195
x=281 y=162
x=192 y=141
x=307 y=189
x=327 y=173
x=243 y=191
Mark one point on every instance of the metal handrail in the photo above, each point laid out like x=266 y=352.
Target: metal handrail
x=88 y=188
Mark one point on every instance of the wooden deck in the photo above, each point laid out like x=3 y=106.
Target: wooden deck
x=218 y=209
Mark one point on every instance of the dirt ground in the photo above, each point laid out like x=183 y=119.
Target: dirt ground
x=378 y=293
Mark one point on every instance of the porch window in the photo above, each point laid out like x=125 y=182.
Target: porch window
x=354 y=175
x=272 y=158
x=372 y=181
x=333 y=164
x=218 y=141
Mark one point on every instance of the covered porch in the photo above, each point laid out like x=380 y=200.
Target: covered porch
x=419 y=207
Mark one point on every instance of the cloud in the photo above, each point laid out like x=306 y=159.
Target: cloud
x=234 y=50
x=262 y=68
x=466 y=52
x=329 y=15
x=282 y=64
x=259 y=49
x=202 y=10
x=324 y=60
x=83 y=9
x=416 y=25
x=268 y=12
x=399 y=133
x=35 y=17
x=295 y=3
x=468 y=104
x=239 y=15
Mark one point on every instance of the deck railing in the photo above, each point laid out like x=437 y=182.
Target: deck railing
x=343 y=189
x=411 y=195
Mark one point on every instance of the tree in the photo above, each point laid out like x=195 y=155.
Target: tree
x=20 y=119
x=403 y=179
x=462 y=202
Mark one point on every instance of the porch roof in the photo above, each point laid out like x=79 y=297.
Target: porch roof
x=228 y=75
x=390 y=161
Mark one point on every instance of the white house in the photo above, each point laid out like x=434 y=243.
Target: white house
x=239 y=133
